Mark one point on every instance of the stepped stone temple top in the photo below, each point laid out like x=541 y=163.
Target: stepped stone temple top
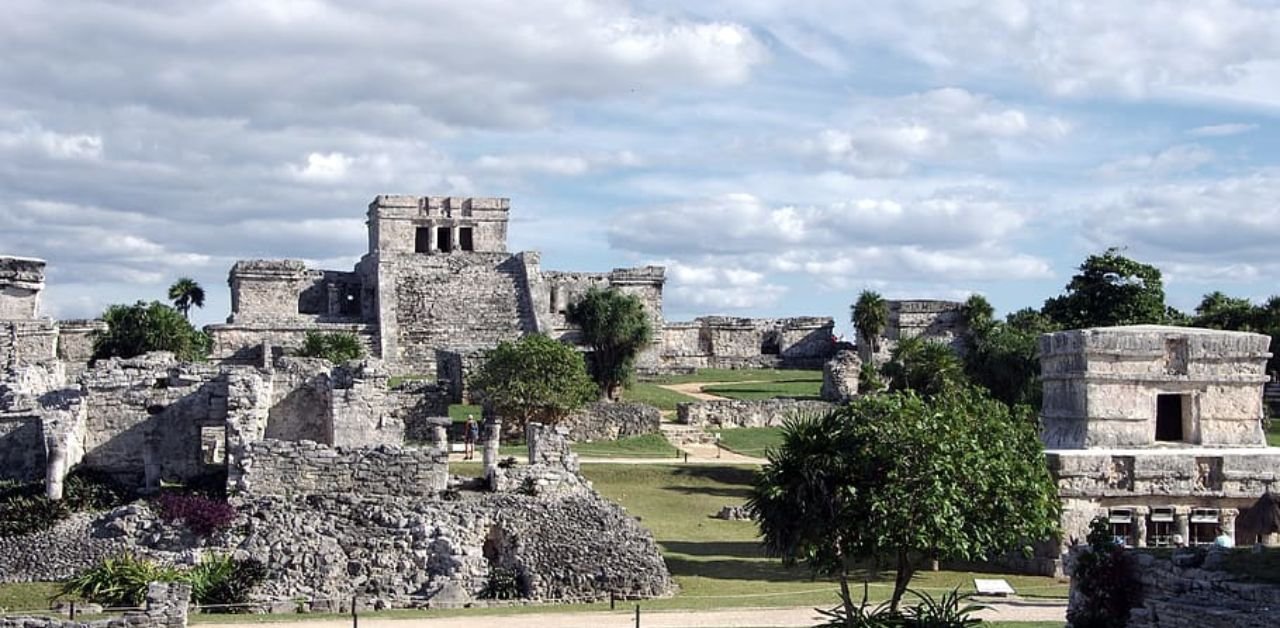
x=21 y=280
x=1158 y=429
x=26 y=337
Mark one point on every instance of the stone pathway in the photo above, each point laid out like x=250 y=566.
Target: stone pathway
x=1013 y=610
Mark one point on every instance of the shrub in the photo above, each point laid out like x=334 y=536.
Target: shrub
x=133 y=330
x=119 y=581
x=24 y=509
x=23 y=514
x=200 y=514
x=336 y=347
x=217 y=580
x=1106 y=580
x=88 y=489
x=220 y=581
x=952 y=610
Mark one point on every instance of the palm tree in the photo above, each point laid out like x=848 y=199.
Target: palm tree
x=870 y=317
x=184 y=293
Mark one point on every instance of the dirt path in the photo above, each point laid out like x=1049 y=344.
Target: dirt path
x=728 y=618
x=694 y=389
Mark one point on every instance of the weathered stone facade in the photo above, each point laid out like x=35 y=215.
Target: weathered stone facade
x=611 y=421
x=436 y=283
x=732 y=413
x=290 y=469
x=25 y=337
x=725 y=342
x=1158 y=429
x=931 y=319
x=152 y=419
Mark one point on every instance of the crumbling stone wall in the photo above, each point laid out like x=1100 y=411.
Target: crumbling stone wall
x=737 y=413
x=727 y=342
x=611 y=421
x=273 y=467
x=166 y=607
x=1185 y=591
x=21 y=280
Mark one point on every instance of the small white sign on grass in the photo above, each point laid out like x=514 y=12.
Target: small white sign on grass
x=995 y=586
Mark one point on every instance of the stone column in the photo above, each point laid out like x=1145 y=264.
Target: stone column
x=1140 y=526
x=55 y=469
x=454 y=239
x=492 y=439
x=440 y=437
x=1227 y=519
x=432 y=245
x=1182 y=516
x=335 y=302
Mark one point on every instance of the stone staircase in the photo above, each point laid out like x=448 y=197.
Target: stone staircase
x=680 y=434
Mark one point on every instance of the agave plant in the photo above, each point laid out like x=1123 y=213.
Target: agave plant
x=953 y=610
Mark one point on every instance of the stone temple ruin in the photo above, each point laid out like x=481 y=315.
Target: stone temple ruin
x=315 y=457
x=1159 y=429
x=437 y=286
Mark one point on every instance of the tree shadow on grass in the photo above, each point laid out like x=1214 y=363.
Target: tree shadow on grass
x=732 y=475
x=738 y=549
x=715 y=491
x=767 y=570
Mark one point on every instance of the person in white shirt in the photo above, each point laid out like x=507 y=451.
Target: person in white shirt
x=1224 y=539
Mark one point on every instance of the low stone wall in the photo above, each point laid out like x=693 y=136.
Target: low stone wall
x=611 y=421
x=1198 y=596
x=306 y=468
x=736 y=413
x=166 y=607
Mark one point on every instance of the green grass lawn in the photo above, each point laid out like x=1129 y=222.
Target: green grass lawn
x=654 y=395
x=459 y=411
x=645 y=446
x=735 y=375
x=806 y=387
x=1273 y=433
x=719 y=563
x=750 y=441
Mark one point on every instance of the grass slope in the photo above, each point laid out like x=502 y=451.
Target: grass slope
x=654 y=395
x=799 y=388
x=751 y=441
x=719 y=563
x=1273 y=433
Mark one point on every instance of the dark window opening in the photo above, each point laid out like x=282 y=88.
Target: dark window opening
x=422 y=240
x=770 y=344
x=1121 y=523
x=444 y=239
x=1169 y=418
x=1161 y=528
x=1204 y=526
x=464 y=239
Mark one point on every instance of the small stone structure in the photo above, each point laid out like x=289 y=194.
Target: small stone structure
x=725 y=342
x=273 y=467
x=26 y=338
x=840 y=376
x=166 y=607
x=1156 y=428
x=931 y=319
x=1194 y=595
x=731 y=413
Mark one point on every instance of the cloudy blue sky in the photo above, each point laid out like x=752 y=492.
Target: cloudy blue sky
x=776 y=156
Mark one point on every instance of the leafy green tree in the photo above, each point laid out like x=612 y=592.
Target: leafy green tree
x=1110 y=289
x=898 y=477
x=1106 y=579
x=978 y=313
x=186 y=293
x=925 y=366
x=1219 y=311
x=617 y=328
x=142 y=327
x=870 y=318
x=336 y=347
x=1003 y=357
x=534 y=379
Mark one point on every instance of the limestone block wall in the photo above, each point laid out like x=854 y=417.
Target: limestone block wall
x=611 y=421
x=727 y=342
x=736 y=413
x=25 y=342
x=840 y=376
x=1101 y=386
x=432 y=302
x=75 y=341
x=938 y=320
x=166 y=607
x=242 y=343
x=21 y=280
x=1196 y=597
x=1196 y=472
x=292 y=469
x=21 y=448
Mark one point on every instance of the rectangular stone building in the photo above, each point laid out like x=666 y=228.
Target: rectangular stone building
x=1158 y=429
